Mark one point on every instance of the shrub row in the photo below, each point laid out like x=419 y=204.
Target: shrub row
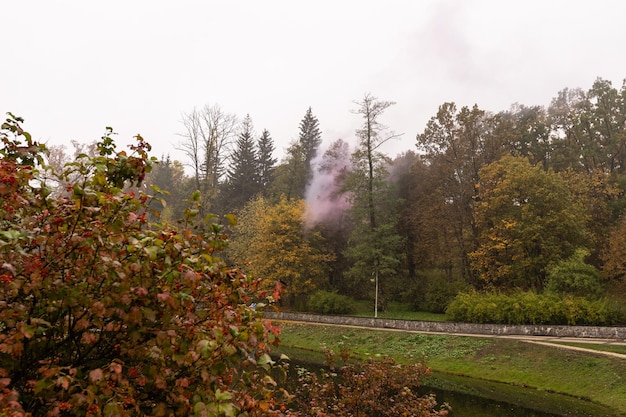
x=532 y=308
x=326 y=302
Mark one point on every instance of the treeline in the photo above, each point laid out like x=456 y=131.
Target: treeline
x=529 y=199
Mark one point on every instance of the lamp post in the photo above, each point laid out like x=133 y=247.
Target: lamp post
x=375 y=275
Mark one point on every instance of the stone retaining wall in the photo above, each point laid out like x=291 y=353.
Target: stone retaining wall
x=460 y=328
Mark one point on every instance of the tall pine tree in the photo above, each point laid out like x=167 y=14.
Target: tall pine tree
x=266 y=163
x=243 y=179
x=309 y=139
x=296 y=172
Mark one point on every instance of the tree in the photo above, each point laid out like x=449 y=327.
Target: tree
x=527 y=220
x=570 y=128
x=310 y=138
x=326 y=207
x=168 y=179
x=296 y=171
x=614 y=255
x=456 y=144
x=266 y=161
x=608 y=126
x=105 y=313
x=209 y=133
x=590 y=128
x=600 y=195
x=425 y=221
x=529 y=133
x=287 y=181
x=270 y=242
x=574 y=276
x=366 y=156
x=242 y=182
x=326 y=202
x=374 y=245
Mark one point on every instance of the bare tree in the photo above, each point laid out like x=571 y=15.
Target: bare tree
x=209 y=133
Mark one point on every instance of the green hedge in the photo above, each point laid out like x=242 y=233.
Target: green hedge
x=531 y=308
x=326 y=302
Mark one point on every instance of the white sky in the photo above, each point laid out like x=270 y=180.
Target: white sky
x=72 y=67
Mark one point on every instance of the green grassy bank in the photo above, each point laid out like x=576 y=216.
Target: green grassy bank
x=599 y=379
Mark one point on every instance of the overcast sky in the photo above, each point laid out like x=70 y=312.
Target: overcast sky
x=70 y=68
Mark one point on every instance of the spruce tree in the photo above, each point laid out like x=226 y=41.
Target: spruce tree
x=243 y=179
x=310 y=137
x=266 y=163
x=296 y=171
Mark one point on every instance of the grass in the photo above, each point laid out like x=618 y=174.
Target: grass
x=396 y=310
x=578 y=374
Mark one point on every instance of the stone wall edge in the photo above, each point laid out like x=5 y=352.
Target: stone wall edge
x=600 y=332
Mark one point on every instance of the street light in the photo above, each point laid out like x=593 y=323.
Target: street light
x=375 y=275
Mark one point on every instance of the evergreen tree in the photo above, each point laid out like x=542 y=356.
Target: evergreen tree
x=266 y=162
x=309 y=139
x=243 y=179
x=296 y=172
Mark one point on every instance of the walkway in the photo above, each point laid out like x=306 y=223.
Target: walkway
x=552 y=341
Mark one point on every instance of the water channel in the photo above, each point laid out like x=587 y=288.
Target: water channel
x=469 y=397
x=475 y=398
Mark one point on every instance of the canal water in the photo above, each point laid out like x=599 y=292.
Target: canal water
x=469 y=397
x=464 y=405
x=472 y=398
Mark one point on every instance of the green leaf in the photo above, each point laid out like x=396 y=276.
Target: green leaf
x=152 y=252
x=10 y=235
x=207 y=347
x=229 y=410
x=78 y=192
x=265 y=361
x=232 y=220
x=223 y=395
x=42 y=385
x=199 y=408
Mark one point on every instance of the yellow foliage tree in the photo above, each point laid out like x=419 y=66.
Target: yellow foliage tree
x=527 y=219
x=270 y=241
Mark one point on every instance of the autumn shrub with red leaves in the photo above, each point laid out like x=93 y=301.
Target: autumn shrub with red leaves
x=365 y=388
x=104 y=312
